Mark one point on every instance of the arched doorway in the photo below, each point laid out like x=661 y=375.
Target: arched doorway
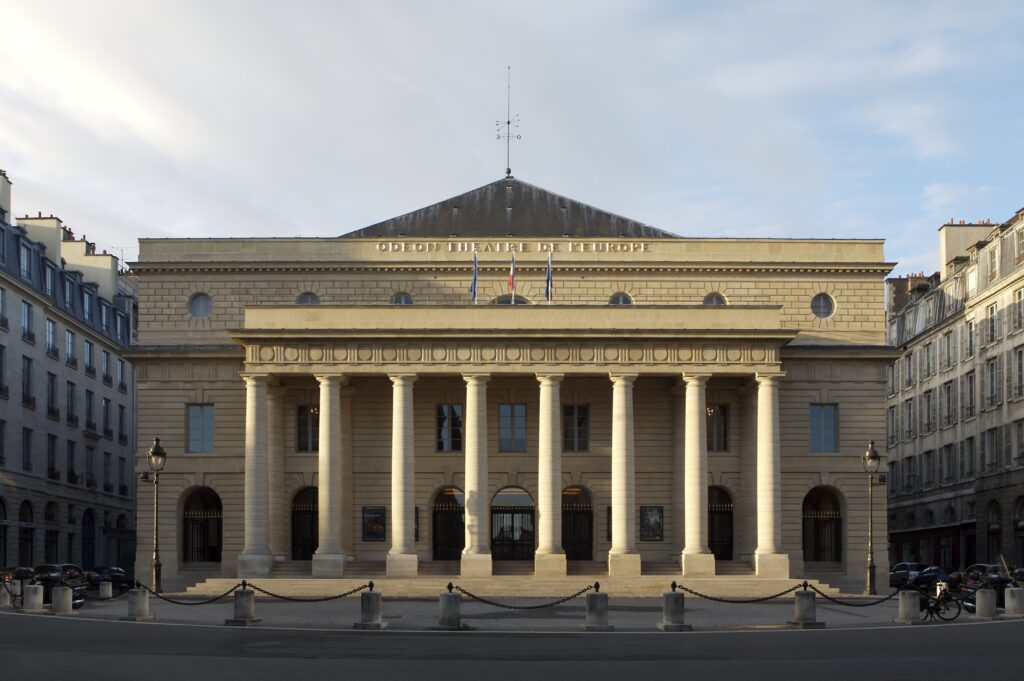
x=305 y=523
x=449 y=524
x=577 y=524
x=201 y=536
x=512 y=528
x=88 y=540
x=26 y=536
x=994 y=530
x=720 y=523
x=823 y=527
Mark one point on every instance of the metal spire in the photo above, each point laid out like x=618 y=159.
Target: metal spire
x=505 y=127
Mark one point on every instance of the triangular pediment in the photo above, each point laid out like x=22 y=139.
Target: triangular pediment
x=510 y=208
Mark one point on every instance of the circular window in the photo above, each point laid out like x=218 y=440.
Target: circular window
x=822 y=305
x=401 y=299
x=620 y=299
x=200 y=305
x=714 y=300
x=308 y=298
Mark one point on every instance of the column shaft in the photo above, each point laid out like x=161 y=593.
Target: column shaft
x=278 y=503
x=255 y=559
x=696 y=559
x=329 y=559
x=402 y=561
x=623 y=559
x=678 y=392
x=476 y=557
x=771 y=562
x=550 y=557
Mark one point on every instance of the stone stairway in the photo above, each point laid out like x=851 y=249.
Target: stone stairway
x=190 y=575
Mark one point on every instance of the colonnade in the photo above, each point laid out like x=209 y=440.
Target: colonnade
x=264 y=466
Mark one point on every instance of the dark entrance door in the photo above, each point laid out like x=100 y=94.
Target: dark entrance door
x=577 y=524
x=449 y=524
x=512 y=525
x=823 y=527
x=720 y=523
x=305 y=533
x=202 y=525
x=88 y=540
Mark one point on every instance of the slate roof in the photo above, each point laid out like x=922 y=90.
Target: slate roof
x=510 y=207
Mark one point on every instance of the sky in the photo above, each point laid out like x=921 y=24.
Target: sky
x=787 y=118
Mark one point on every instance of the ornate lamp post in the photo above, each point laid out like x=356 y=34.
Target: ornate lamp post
x=157 y=459
x=870 y=461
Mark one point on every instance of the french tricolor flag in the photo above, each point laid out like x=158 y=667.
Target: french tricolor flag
x=512 y=279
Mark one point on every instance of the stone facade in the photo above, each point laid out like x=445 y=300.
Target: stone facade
x=67 y=398
x=377 y=378
x=956 y=402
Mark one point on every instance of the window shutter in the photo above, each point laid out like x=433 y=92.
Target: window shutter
x=952 y=341
x=1007 y=444
x=1008 y=367
x=999 y=379
x=953 y=398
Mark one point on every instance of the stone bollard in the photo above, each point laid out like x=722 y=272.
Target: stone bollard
x=370 y=611
x=910 y=608
x=449 y=616
x=597 y=611
x=15 y=589
x=31 y=598
x=60 y=601
x=106 y=590
x=805 y=611
x=672 y=618
x=245 y=609
x=5 y=595
x=1014 y=602
x=985 y=604
x=138 y=606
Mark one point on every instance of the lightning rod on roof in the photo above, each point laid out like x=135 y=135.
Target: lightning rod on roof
x=505 y=128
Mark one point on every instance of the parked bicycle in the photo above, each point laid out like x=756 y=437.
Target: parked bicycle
x=944 y=606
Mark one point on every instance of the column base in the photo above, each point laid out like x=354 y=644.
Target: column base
x=329 y=564
x=549 y=565
x=698 y=564
x=255 y=564
x=403 y=565
x=475 y=565
x=772 y=565
x=623 y=564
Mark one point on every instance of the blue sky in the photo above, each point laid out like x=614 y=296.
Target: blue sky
x=790 y=119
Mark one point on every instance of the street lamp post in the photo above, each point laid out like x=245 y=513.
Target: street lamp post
x=157 y=459
x=870 y=461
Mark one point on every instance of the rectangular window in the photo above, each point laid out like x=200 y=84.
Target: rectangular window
x=26 y=322
x=27 y=398
x=90 y=467
x=69 y=346
x=990 y=444
x=122 y=425
x=122 y=379
x=1018 y=372
x=449 y=428
x=49 y=275
x=25 y=262
x=51 y=337
x=890 y=379
x=119 y=326
x=512 y=427
x=929 y=468
x=992 y=323
x=991 y=383
x=200 y=428
x=90 y=360
x=969 y=343
x=51 y=457
x=948 y=403
x=1018 y=434
x=824 y=427
x=51 y=393
x=967 y=457
x=69 y=289
x=576 y=427
x=87 y=303
x=122 y=479
x=26 y=449
x=1018 y=309
x=90 y=416
x=106 y=367
x=108 y=430
x=3 y=443
x=3 y=308
x=891 y=427
x=71 y=462
x=108 y=482
x=908 y=419
x=968 y=396
x=718 y=428
x=908 y=369
x=104 y=316
x=929 y=359
x=307 y=428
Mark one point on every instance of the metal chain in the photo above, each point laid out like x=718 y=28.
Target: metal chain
x=84 y=593
x=509 y=606
x=853 y=605
x=737 y=600
x=227 y=593
x=309 y=600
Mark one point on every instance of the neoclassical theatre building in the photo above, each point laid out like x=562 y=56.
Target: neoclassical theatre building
x=334 y=403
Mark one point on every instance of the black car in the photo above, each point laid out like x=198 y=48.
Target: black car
x=49 y=575
x=16 y=574
x=117 y=577
x=926 y=578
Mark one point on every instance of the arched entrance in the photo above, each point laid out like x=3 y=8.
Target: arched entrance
x=512 y=528
x=1018 y=532
x=449 y=524
x=577 y=524
x=823 y=527
x=26 y=536
x=201 y=535
x=88 y=540
x=305 y=523
x=994 y=528
x=720 y=523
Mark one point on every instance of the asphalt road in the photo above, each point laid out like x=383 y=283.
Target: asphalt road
x=47 y=647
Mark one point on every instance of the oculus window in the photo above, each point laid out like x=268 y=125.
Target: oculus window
x=823 y=306
x=200 y=305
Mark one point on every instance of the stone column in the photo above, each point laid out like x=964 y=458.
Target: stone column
x=476 y=557
x=697 y=559
x=402 y=560
x=348 y=525
x=278 y=507
x=255 y=560
x=623 y=558
x=678 y=392
x=549 y=559
x=329 y=559
x=769 y=560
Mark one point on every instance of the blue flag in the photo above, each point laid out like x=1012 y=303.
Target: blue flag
x=472 y=285
x=549 y=289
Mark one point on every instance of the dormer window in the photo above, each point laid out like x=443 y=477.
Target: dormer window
x=49 y=279
x=69 y=293
x=104 y=317
x=87 y=299
x=25 y=262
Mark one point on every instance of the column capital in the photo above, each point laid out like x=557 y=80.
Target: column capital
x=554 y=378
x=766 y=377
x=695 y=379
x=623 y=378
x=478 y=378
x=402 y=379
x=327 y=379
x=256 y=378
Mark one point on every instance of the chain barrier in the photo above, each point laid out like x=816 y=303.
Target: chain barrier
x=595 y=587
x=295 y=599
x=84 y=593
x=717 y=599
x=207 y=601
x=853 y=605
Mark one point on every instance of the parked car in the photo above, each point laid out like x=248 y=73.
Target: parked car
x=118 y=578
x=49 y=575
x=72 y=574
x=901 y=573
x=12 y=574
x=927 y=577
x=983 y=572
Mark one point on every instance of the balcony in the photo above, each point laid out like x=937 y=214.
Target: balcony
x=72 y=477
x=53 y=412
x=108 y=379
x=122 y=438
x=90 y=370
x=122 y=489
x=28 y=336
x=90 y=481
x=122 y=387
x=53 y=474
x=90 y=429
x=52 y=351
x=73 y=420
x=108 y=433
x=28 y=401
x=72 y=362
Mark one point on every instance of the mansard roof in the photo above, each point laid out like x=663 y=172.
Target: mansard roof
x=510 y=207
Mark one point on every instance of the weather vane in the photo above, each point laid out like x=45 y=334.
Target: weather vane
x=505 y=127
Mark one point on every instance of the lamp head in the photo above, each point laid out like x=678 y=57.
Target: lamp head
x=871 y=459
x=157 y=456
